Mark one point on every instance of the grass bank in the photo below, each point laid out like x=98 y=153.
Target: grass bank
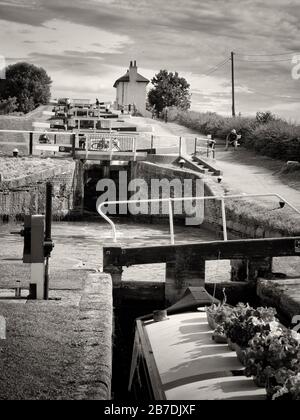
x=264 y=217
x=274 y=138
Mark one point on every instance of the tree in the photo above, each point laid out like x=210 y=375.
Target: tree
x=29 y=84
x=169 y=90
x=7 y=106
x=265 y=117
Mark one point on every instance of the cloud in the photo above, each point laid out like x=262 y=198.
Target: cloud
x=66 y=35
x=76 y=40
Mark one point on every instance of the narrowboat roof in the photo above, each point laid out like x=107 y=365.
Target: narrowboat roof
x=191 y=366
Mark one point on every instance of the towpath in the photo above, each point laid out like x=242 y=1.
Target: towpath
x=244 y=171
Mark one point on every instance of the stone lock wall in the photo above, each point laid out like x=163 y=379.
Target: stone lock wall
x=211 y=208
x=150 y=171
x=27 y=195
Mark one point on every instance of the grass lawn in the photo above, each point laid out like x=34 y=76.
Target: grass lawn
x=59 y=349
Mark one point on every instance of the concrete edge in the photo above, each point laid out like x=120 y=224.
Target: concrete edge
x=96 y=322
x=276 y=293
x=209 y=165
x=157 y=158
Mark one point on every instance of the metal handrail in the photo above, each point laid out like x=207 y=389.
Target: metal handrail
x=221 y=198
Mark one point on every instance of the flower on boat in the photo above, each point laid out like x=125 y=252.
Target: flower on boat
x=290 y=389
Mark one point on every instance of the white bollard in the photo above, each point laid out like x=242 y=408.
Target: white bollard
x=38 y=278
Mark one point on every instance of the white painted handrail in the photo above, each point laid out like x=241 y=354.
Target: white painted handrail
x=62 y=133
x=222 y=198
x=184 y=136
x=181 y=140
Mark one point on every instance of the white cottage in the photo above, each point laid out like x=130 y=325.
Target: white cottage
x=131 y=90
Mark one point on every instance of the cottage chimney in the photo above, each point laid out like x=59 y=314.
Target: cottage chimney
x=133 y=72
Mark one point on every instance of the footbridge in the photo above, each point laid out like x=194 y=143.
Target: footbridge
x=107 y=145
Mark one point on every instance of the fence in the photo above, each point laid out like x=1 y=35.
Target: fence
x=183 y=145
x=171 y=200
x=34 y=142
x=27 y=141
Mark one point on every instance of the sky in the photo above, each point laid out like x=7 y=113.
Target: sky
x=86 y=45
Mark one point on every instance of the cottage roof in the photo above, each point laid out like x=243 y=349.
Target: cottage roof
x=125 y=78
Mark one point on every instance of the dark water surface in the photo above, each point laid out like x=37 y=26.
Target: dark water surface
x=79 y=245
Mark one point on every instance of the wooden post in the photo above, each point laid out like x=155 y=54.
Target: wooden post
x=187 y=270
x=30 y=144
x=259 y=267
x=54 y=141
x=87 y=146
x=73 y=142
x=106 y=169
x=239 y=270
x=48 y=236
x=116 y=275
x=134 y=148
x=195 y=153
x=232 y=84
x=152 y=142
x=78 y=202
x=251 y=269
x=224 y=220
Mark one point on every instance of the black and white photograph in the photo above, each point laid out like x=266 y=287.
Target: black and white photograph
x=149 y=203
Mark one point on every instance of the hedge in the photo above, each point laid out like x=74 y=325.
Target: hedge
x=277 y=139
